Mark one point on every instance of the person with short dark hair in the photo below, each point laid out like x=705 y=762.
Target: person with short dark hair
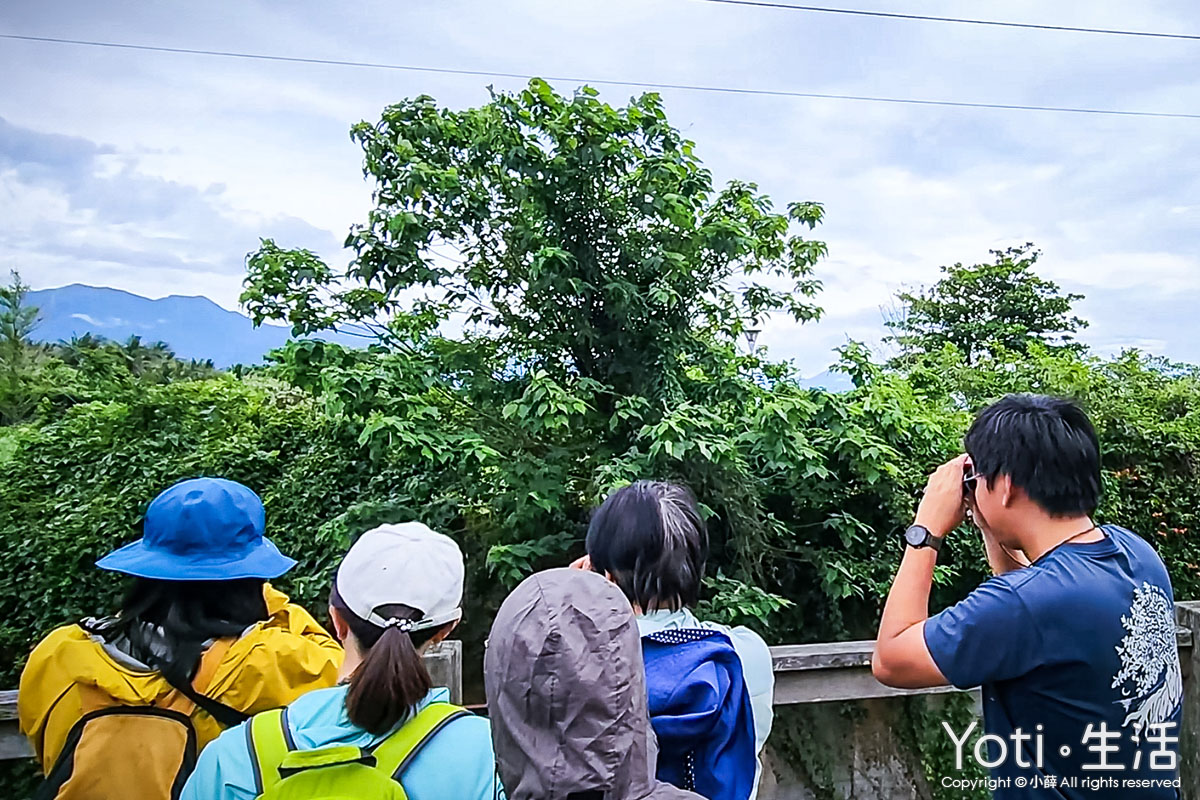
x=1072 y=639
x=397 y=591
x=1046 y=445
x=650 y=540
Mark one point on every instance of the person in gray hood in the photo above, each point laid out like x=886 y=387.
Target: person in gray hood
x=566 y=694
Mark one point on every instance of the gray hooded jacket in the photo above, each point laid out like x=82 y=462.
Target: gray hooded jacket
x=567 y=695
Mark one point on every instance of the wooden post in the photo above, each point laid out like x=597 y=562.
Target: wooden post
x=444 y=662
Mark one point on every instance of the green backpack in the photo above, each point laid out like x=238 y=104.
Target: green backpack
x=342 y=772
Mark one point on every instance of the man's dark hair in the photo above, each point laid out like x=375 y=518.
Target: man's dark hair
x=1045 y=445
x=649 y=536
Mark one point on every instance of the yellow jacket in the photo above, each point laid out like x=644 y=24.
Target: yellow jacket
x=269 y=666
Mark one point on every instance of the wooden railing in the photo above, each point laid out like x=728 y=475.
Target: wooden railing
x=804 y=673
x=444 y=662
x=12 y=743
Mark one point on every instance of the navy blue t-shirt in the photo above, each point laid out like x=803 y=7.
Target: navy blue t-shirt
x=1083 y=637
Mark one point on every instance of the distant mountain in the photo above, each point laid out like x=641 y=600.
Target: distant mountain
x=829 y=381
x=194 y=327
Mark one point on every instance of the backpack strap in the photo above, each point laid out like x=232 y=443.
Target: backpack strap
x=396 y=752
x=269 y=740
x=194 y=692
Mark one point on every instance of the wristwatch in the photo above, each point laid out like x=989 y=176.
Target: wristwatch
x=919 y=536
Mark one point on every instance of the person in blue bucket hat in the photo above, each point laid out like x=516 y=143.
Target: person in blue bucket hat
x=200 y=621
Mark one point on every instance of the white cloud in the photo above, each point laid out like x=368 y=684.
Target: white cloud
x=71 y=218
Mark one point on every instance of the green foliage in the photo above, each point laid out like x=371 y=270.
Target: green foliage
x=865 y=748
x=38 y=381
x=732 y=602
x=19 y=387
x=922 y=729
x=511 y=563
x=980 y=308
x=20 y=779
x=127 y=362
x=570 y=233
x=17 y=319
x=813 y=743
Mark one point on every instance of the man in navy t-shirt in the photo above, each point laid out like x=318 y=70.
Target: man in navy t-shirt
x=1073 y=640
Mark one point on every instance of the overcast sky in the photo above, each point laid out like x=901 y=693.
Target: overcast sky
x=157 y=173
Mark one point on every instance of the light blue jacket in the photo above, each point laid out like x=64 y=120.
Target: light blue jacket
x=456 y=763
x=757 y=670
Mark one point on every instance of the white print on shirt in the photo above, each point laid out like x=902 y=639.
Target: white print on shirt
x=1149 y=658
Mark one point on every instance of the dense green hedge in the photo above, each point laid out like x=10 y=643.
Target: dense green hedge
x=806 y=489
x=833 y=476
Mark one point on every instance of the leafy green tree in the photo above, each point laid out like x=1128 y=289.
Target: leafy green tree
x=74 y=351
x=100 y=362
x=581 y=239
x=601 y=284
x=18 y=319
x=981 y=308
x=158 y=362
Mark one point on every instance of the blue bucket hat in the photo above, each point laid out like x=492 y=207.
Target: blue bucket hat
x=204 y=529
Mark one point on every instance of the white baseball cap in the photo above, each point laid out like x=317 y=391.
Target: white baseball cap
x=404 y=564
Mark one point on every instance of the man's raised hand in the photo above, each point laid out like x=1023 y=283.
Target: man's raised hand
x=942 y=507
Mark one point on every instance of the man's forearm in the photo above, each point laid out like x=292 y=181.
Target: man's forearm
x=901 y=656
x=908 y=601
x=941 y=510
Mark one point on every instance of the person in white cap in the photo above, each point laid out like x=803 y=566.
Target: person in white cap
x=397 y=591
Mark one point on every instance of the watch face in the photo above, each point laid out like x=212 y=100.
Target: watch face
x=916 y=536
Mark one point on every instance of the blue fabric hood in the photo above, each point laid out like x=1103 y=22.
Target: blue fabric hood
x=700 y=711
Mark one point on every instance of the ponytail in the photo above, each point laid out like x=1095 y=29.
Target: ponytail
x=392 y=677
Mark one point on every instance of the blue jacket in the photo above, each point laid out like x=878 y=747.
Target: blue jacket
x=700 y=711
x=751 y=650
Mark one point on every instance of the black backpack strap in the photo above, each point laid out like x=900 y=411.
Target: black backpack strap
x=226 y=716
